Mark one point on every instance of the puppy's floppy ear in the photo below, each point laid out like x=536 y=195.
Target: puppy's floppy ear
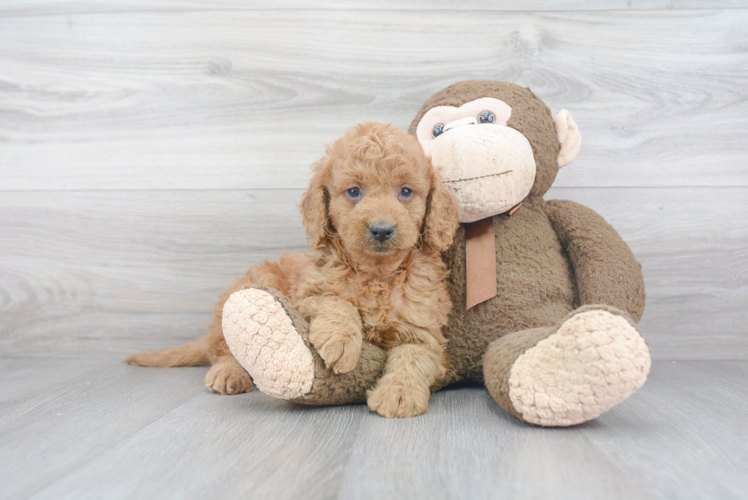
x=442 y=212
x=314 y=205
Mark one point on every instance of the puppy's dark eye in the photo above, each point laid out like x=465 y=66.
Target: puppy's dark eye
x=354 y=193
x=406 y=193
x=438 y=129
x=486 y=117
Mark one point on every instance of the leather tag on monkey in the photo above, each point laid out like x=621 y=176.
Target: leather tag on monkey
x=480 y=258
x=480 y=261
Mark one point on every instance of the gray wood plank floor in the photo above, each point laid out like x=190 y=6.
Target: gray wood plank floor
x=98 y=429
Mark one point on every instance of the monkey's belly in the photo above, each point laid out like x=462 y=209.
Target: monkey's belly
x=535 y=287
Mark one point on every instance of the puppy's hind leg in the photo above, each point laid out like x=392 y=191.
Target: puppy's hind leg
x=405 y=388
x=226 y=376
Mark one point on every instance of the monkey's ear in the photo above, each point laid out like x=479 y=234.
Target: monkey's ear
x=568 y=136
x=442 y=212
x=314 y=206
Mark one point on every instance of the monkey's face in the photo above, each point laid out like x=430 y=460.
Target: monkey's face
x=488 y=166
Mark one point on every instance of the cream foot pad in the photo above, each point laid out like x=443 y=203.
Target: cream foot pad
x=263 y=339
x=594 y=361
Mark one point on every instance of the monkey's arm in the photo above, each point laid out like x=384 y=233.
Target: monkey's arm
x=605 y=268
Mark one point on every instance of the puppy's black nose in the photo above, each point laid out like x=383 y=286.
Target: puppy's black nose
x=381 y=232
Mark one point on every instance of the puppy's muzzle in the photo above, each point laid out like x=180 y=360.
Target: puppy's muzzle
x=381 y=232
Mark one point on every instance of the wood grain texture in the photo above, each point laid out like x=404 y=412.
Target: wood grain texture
x=96 y=273
x=63 y=426
x=63 y=7
x=118 y=431
x=251 y=446
x=662 y=443
x=701 y=401
x=247 y=98
x=83 y=270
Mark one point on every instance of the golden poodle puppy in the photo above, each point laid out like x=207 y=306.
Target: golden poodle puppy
x=377 y=217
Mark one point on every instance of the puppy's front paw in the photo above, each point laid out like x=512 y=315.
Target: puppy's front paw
x=228 y=378
x=391 y=398
x=337 y=342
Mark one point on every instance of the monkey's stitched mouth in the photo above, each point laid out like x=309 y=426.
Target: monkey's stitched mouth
x=479 y=177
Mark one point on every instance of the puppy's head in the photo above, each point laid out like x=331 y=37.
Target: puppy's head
x=376 y=193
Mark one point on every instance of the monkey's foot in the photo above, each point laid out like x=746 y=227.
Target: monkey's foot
x=592 y=362
x=264 y=340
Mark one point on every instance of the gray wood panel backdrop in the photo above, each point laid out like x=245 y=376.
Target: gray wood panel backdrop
x=150 y=151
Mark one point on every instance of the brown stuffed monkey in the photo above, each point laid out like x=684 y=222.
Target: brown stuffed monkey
x=546 y=294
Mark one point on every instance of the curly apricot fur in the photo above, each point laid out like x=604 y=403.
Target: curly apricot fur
x=353 y=287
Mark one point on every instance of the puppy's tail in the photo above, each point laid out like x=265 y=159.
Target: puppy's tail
x=193 y=353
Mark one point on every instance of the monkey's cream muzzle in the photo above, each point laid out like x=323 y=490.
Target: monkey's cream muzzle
x=488 y=168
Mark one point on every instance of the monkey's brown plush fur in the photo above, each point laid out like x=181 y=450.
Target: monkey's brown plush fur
x=552 y=256
x=353 y=287
x=558 y=343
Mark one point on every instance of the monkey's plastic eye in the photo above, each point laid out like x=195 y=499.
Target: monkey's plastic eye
x=354 y=193
x=406 y=193
x=486 y=117
x=438 y=129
